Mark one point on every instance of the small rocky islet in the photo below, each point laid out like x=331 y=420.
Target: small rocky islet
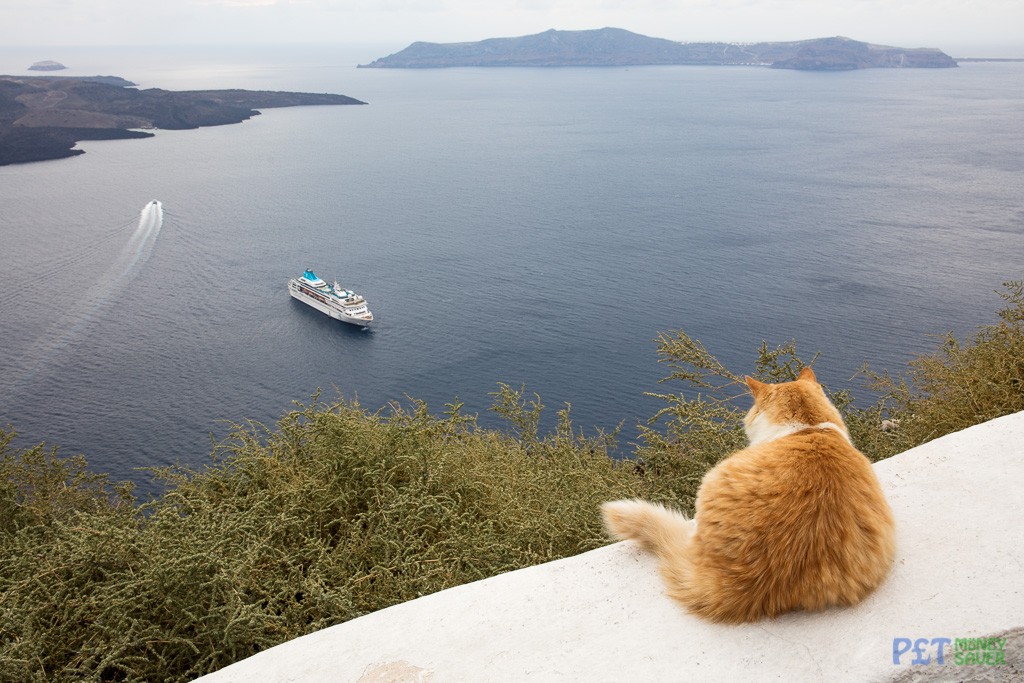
x=47 y=65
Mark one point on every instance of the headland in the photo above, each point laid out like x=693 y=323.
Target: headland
x=43 y=117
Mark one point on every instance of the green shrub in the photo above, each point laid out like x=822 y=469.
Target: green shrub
x=703 y=423
x=335 y=513
x=958 y=385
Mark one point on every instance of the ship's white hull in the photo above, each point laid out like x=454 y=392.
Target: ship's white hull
x=336 y=312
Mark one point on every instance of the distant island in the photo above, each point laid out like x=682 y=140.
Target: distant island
x=43 y=117
x=618 y=47
x=47 y=65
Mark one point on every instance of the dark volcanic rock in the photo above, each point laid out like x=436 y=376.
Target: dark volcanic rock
x=43 y=117
x=21 y=145
x=617 y=47
x=109 y=80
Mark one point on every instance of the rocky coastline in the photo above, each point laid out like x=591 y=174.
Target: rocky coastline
x=43 y=117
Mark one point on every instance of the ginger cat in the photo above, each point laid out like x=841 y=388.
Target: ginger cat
x=795 y=521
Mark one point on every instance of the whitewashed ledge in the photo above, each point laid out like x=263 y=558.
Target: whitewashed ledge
x=601 y=616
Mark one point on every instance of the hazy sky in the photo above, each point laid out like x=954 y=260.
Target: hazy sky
x=953 y=25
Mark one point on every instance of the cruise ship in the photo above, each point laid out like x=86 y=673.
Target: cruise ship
x=337 y=302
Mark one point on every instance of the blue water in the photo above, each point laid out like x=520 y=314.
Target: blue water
x=529 y=226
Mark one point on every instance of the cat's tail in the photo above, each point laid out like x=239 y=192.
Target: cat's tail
x=661 y=531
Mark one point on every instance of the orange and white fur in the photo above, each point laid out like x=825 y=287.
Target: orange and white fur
x=795 y=521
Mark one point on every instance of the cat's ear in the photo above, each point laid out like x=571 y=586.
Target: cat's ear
x=807 y=375
x=758 y=389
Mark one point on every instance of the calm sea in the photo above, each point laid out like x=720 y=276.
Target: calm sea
x=530 y=226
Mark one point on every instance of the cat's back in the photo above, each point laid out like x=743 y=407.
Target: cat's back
x=816 y=459
x=801 y=519
x=813 y=459
x=811 y=480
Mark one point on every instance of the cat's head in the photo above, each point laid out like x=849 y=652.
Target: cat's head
x=787 y=407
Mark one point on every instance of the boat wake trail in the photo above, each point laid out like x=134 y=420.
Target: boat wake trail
x=138 y=250
x=126 y=266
